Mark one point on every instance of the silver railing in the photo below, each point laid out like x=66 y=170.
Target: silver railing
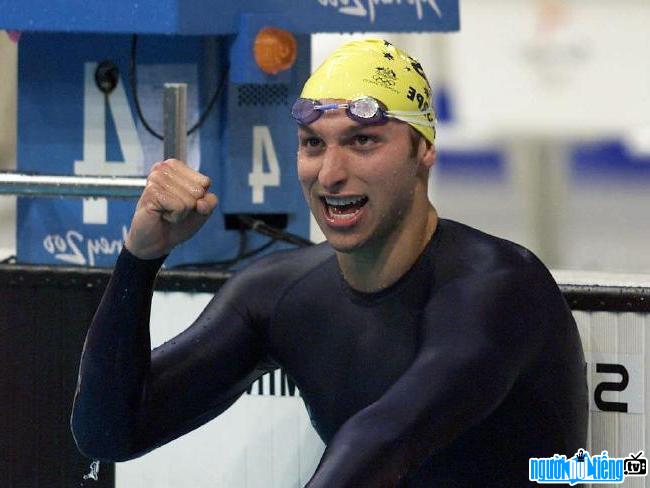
x=70 y=186
x=175 y=146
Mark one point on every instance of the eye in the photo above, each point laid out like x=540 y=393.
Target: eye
x=364 y=140
x=311 y=142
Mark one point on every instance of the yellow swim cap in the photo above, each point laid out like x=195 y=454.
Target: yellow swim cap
x=376 y=68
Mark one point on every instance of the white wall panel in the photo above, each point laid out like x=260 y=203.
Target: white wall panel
x=549 y=67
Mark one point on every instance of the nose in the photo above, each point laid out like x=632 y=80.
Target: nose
x=333 y=171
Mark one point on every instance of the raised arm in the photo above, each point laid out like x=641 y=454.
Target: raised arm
x=447 y=389
x=129 y=399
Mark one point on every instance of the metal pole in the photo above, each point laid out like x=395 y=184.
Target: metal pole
x=175 y=120
x=70 y=186
x=539 y=171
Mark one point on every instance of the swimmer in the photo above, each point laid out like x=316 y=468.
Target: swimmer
x=429 y=354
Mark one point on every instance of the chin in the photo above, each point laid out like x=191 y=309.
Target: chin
x=342 y=248
x=345 y=244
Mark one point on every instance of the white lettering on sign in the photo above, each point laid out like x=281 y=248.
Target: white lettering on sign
x=74 y=248
x=369 y=8
x=94 y=160
x=258 y=178
x=94 y=145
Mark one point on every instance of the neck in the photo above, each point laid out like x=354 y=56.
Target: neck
x=377 y=267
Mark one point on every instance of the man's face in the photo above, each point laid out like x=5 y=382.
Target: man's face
x=359 y=181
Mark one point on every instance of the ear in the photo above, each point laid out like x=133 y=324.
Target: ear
x=426 y=153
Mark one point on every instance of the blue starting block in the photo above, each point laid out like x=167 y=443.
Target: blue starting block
x=246 y=144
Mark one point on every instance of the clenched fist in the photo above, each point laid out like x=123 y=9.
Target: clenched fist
x=174 y=205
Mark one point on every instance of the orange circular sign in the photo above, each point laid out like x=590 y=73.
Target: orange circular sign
x=275 y=50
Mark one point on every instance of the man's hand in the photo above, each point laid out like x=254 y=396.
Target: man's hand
x=173 y=207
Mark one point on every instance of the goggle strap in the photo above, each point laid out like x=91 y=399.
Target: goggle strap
x=410 y=120
x=409 y=112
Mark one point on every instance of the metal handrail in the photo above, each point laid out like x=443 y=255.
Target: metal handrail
x=71 y=186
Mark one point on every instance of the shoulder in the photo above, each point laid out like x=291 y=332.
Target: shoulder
x=267 y=278
x=286 y=265
x=478 y=266
x=470 y=252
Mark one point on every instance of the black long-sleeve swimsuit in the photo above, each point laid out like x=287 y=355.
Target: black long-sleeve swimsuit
x=453 y=376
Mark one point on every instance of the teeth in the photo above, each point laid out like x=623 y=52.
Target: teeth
x=339 y=201
x=345 y=216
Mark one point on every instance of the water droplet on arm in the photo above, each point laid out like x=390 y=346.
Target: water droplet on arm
x=94 y=471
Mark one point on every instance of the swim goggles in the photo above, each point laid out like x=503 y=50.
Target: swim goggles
x=365 y=110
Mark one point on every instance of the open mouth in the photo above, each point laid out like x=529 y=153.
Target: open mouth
x=343 y=208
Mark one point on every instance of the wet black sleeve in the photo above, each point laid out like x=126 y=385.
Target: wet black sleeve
x=129 y=399
x=471 y=328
